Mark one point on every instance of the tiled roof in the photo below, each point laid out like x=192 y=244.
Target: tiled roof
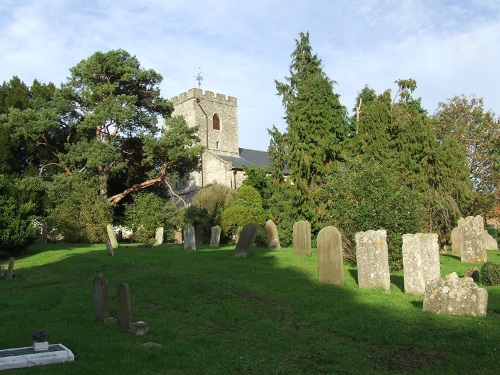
x=250 y=158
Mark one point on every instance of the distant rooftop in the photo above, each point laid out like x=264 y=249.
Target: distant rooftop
x=249 y=158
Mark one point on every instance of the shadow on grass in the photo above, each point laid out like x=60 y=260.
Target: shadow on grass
x=217 y=314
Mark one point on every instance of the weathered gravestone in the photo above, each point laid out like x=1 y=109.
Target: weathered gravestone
x=189 y=238
x=489 y=242
x=455 y=241
x=420 y=261
x=124 y=307
x=177 y=236
x=472 y=249
x=112 y=236
x=215 y=236
x=109 y=249
x=245 y=242
x=455 y=296
x=330 y=260
x=101 y=313
x=159 y=236
x=372 y=258
x=273 y=240
x=302 y=238
x=10 y=270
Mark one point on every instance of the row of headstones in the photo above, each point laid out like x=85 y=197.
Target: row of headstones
x=112 y=242
x=10 y=270
x=469 y=240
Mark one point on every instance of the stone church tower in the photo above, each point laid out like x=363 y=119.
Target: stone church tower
x=223 y=160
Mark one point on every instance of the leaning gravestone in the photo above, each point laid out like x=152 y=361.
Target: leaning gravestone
x=420 y=261
x=112 y=236
x=101 y=313
x=124 y=307
x=330 y=261
x=455 y=296
x=10 y=270
x=245 y=242
x=372 y=258
x=189 y=238
x=159 y=236
x=472 y=249
x=273 y=240
x=302 y=238
x=215 y=236
x=455 y=241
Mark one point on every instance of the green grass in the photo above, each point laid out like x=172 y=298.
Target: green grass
x=216 y=314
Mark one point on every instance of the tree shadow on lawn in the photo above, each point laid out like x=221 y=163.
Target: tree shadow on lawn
x=220 y=314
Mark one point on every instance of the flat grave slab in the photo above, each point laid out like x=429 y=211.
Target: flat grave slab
x=27 y=357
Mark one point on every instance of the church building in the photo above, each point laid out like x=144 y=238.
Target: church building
x=223 y=160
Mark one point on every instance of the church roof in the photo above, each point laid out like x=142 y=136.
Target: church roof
x=249 y=158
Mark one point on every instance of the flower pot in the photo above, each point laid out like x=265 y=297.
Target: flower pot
x=39 y=346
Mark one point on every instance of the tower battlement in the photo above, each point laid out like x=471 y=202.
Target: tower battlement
x=207 y=95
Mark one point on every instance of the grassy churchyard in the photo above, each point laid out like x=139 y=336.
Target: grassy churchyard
x=217 y=314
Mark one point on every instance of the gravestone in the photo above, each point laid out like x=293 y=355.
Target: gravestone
x=101 y=313
x=198 y=234
x=372 y=258
x=112 y=236
x=159 y=236
x=189 y=238
x=472 y=249
x=273 y=240
x=455 y=241
x=330 y=260
x=10 y=270
x=215 y=236
x=124 y=307
x=177 y=236
x=455 y=296
x=109 y=249
x=489 y=242
x=420 y=261
x=302 y=238
x=2 y=272
x=245 y=242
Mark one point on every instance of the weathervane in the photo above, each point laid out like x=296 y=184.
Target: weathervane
x=199 y=78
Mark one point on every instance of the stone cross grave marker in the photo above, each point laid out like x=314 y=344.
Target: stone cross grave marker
x=472 y=249
x=456 y=296
x=273 y=240
x=189 y=238
x=330 y=260
x=372 y=258
x=302 y=238
x=245 y=242
x=10 y=270
x=159 y=236
x=215 y=236
x=112 y=236
x=101 y=313
x=420 y=261
x=124 y=307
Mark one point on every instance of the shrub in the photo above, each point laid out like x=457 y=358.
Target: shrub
x=17 y=231
x=490 y=274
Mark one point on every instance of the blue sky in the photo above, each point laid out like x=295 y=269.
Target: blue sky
x=242 y=46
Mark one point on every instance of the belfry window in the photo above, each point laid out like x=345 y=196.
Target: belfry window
x=216 y=122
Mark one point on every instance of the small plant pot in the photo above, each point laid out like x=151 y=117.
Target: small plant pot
x=39 y=346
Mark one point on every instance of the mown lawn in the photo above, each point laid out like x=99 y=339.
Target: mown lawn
x=217 y=314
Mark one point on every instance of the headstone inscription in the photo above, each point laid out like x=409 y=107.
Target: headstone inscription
x=372 y=258
x=472 y=249
x=420 y=261
x=273 y=240
x=302 y=238
x=124 y=307
x=101 y=313
x=189 y=238
x=330 y=260
x=245 y=242
x=215 y=236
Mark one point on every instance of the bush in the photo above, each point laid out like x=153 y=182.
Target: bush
x=490 y=274
x=17 y=231
x=148 y=212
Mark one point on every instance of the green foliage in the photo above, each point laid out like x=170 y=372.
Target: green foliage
x=79 y=213
x=259 y=178
x=369 y=196
x=17 y=231
x=148 y=212
x=247 y=209
x=490 y=274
